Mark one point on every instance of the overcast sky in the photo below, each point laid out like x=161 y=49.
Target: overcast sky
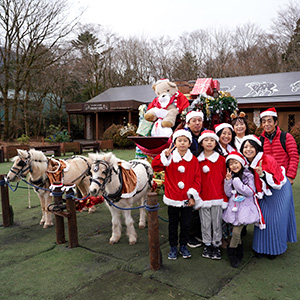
x=173 y=17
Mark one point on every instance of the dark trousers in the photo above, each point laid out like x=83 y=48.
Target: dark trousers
x=195 y=227
x=182 y=216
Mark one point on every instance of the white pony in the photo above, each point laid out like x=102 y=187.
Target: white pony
x=110 y=178
x=36 y=163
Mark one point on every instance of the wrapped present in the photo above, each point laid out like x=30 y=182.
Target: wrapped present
x=144 y=128
x=203 y=86
x=216 y=85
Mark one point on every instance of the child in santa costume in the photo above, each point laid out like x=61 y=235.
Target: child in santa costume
x=277 y=204
x=182 y=186
x=243 y=207
x=214 y=199
x=226 y=136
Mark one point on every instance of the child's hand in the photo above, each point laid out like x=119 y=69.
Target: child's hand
x=169 y=150
x=259 y=169
x=228 y=175
x=191 y=202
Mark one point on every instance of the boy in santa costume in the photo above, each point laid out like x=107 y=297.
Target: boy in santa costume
x=182 y=186
x=214 y=199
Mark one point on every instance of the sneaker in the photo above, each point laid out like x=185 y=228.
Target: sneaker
x=173 y=253
x=207 y=252
x=194 y=242
x=184 y=251
x=216 y=253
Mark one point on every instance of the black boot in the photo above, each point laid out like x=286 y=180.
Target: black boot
x=240 y=251
x=232 y=255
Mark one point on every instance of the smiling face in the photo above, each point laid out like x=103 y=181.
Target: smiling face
x=225 y=137
x=268 y=124
x=240 y=128
x=195 y=125
x=182 y=143
x=234 y=165
x=249 y=151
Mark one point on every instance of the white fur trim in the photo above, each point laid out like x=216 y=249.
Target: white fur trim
x=224 y=205
x=206 y=169
x=234 y=209
x=188 y=156
x=182 y=132
x=236 y=157
x=268 y=113
x=180 y=185
x=194 y=193
x=213 y=158
x=210 y=203
x=181 y=169
x=271 y=182
x=256 y=159
x=192 y=114
x=166 y=161
x=251 y=137
x=222 y=126
x=175 y=203
x=208 y=134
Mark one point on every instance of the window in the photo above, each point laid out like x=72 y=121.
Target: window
x=291 y=122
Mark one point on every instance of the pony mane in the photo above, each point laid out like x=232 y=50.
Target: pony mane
x=109 y=157
x=37 y=158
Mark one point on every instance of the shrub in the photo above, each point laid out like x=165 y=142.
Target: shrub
x=295 y=132
x=23 y=139
x=258 y=131
x=111 y=131
x=57 y=135
x=252 y=127
x=120 y=137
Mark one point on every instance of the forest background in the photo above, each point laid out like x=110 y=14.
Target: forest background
x=47 y=61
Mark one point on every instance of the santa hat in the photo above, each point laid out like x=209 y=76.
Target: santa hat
x=269 y=112
x=237 y=156
x=182 y=132
x=221 y=126
x=206 y=134
x=192 y=114
x=251 y=137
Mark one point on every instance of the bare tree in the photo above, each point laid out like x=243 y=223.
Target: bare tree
x=30 y=31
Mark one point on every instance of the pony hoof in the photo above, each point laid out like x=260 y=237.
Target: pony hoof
x=92 y=209
x=42 y=223
x=142 y=226
x=47 y=225
x=132 y=243
x=111 y=242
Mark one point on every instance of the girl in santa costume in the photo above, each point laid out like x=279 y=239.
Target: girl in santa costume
x=277 y=204
x=214 y=200
x=182 y=186
x=243 y=207
x=226 y=137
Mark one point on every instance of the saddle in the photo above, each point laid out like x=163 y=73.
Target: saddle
x=129 y=180
x=55 y=170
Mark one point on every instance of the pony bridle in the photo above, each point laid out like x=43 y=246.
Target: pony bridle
x=107 y=172
x=24 y=165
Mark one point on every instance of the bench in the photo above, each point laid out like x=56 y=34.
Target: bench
x=95 y=146
x=106 y=144
x=47 y=148
x=71 y=147
x=11 y=150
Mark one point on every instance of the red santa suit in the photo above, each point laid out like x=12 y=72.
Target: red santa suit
x=179 y=100
x=213 y=173
x=274 y=174
x=182 y=177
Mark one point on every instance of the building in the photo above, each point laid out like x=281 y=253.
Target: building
x=253 y=93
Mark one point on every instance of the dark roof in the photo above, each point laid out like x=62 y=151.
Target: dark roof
x=264 y=88
x=141 y=93
x=275 y=87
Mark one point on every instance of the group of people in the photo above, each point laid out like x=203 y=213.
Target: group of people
x=229 y=178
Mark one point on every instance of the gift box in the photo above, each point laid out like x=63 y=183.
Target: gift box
x=144 y=128
x=216 y=85
x=203 y=85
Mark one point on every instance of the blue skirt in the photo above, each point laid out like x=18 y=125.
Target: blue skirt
x=279 y=214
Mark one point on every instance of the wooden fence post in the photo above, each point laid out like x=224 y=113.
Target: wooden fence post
x=6 y=214
x=72 y=220
x=153 y=232
x=59 y=220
